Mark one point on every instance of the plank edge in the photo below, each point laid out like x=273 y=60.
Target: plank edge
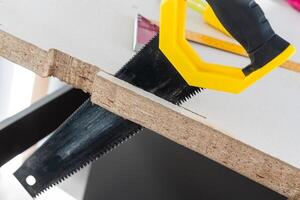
x=269 y=171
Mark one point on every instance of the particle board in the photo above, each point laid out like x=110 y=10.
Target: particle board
x=191 y=131
x=173 y=122
x=100 y=33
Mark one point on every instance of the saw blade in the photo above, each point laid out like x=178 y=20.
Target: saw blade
x=45 y=117
x=89 y=133
x=93 y=131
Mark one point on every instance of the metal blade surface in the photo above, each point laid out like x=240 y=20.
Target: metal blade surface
x=92 y=131
x=26 y=128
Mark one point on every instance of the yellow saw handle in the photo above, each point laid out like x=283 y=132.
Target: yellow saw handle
x=266 y=49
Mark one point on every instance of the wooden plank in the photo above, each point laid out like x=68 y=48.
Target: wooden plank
x=40 y=88
x=265 y=116
x=191 y=131
x=71 y=70
x=55 y=63
x=169 y=120
x=24 y=54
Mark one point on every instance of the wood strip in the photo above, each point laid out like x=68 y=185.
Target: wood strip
x=174 y=123
x=191 y=131
x=229 y=47
x=40 y=88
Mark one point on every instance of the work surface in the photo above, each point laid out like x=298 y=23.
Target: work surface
x=101 y=32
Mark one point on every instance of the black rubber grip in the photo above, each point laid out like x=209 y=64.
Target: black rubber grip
x=246 y=22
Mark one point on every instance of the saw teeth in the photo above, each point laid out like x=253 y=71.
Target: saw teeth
x=149 y=70
x=108 y=150
x=193 y=94
x=88 y=162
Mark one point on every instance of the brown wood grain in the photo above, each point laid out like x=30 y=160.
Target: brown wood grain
x=166 y=119
x=191 y=131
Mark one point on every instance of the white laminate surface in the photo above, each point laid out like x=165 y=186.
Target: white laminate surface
x=266 y=116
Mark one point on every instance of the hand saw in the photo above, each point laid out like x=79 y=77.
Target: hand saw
x=92 y=131
x=37 y=121
x=246 y=22
x=208 y=14
x=151 y=28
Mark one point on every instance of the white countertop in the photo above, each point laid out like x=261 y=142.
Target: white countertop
x=266 y=116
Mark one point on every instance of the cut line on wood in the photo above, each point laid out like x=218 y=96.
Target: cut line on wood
x=187 y=128
x=191 y=130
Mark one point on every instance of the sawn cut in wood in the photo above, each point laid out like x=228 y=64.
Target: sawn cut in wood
x=187 y=129
x=92 y=131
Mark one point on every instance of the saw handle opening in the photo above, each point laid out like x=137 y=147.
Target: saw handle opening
x=245 y=21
